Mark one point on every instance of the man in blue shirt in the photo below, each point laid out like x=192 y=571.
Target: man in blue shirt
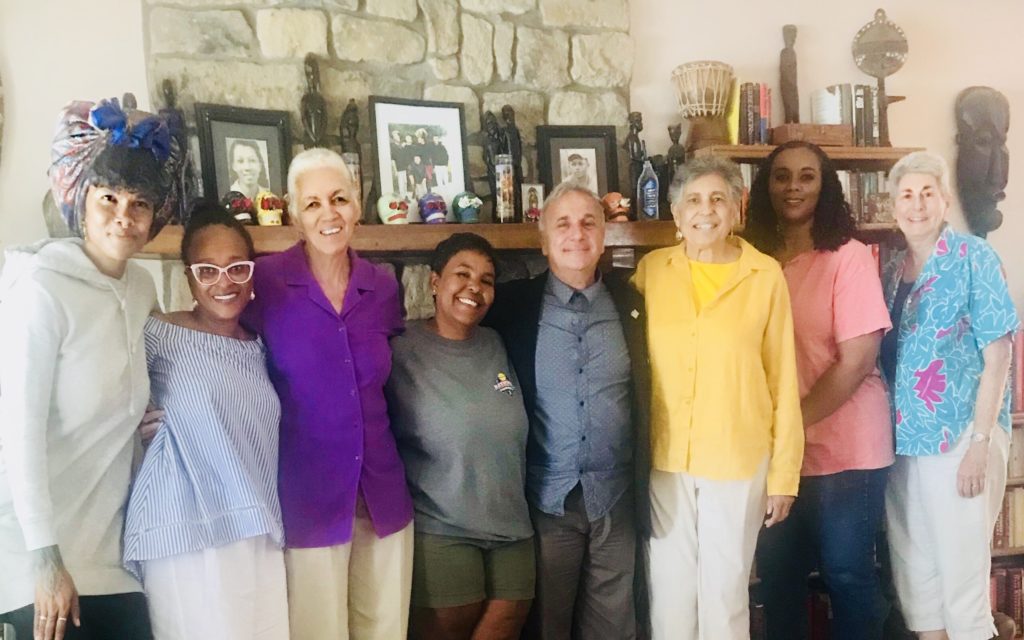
x=575 y=339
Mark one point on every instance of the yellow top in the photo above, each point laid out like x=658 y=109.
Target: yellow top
x=707 y=279
x=724 y=390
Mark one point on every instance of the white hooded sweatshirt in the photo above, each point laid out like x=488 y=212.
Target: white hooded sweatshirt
x=73 y=388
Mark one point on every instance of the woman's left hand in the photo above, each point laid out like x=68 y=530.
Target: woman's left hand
x=970 y=477
x=778 y=509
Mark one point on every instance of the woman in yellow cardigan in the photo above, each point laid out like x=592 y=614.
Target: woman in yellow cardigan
x=726 y=431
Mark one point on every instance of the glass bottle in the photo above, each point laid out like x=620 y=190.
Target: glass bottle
x=647 y=193
x=504 y=189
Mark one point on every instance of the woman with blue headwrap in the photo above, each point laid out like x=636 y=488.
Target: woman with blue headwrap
x=73 y=378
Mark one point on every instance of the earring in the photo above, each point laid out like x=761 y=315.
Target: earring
x=252 y=295
x=679 y=235
x=433 y=292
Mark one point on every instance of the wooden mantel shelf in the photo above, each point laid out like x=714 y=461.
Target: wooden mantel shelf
x=843 y=157
x=380 y=238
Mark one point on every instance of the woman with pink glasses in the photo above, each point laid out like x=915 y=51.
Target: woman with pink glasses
x=203 y=529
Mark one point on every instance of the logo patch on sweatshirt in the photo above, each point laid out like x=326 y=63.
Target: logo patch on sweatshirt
x=503 y=384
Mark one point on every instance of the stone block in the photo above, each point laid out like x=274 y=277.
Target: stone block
x=291 y=33
x=359 y=39
x=604 y=60
x=397 y=9
x=607 y=14
x=477 y=55
x=442 y=17
x=504 y=39
x=224 y=33
x=542 y=58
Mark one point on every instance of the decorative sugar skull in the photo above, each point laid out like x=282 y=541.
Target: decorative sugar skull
x=467 y=207
x=269 y=209
x=393 y=209
x=616 y=207
x=238 y=207
x=433 y=209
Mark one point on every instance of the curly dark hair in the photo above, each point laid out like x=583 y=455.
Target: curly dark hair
x=464 y=241
x=833 y=224
x=206 y=214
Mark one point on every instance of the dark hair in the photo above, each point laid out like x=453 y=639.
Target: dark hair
x=833 y=224
x=206 y=214
x=261 y=179
x=446 y=250
x=135 y=170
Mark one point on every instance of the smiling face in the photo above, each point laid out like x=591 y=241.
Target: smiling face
x=116 y=223
x=245 y=162
x=795 y=185
x=706 y=212
x=221 y=246
x=327 y=209
x=920 y=207
x=465 y=291
x=572 y=234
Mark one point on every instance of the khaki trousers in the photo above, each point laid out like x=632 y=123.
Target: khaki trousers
x=359 y=590
x=703 y=536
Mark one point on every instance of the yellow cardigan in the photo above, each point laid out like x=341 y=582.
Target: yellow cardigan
x=724 y=390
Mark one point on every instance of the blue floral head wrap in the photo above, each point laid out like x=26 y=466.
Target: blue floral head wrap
x=86 y=130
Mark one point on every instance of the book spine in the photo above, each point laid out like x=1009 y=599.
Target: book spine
x=1018 y=371
x=846 y=91
x=858 y=115
x=875 y=115
x=999 y=537
x=1016 y=603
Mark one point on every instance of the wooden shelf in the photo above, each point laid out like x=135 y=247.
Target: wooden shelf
x=1017 y=481
x=1017 y=418
x=422 y=238
x=1008 y=552
x=877 y=158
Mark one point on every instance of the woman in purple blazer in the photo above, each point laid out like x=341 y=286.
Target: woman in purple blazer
x=326 y=316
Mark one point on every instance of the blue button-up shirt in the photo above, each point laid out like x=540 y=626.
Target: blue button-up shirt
x=958 y=305
x=581 y=430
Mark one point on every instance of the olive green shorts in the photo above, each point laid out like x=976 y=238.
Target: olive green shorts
x=448 y=571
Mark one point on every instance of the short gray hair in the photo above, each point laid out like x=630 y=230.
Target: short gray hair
x=924 y=162
x=562 y=189
x=704 y=166
x=311 y=160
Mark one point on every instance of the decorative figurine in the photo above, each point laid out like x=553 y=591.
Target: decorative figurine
x=238 y=206
x=433 y=209
x=313 y=106
x=879 y=50
x=128 y=101
x=616 y=208
x=534 y=194
x=635 y=147
x=393 y=209
x=982 y=161
x=676 y=156
x=187 y=181
x=350 y=127
x=467 y=206
x=269 y=209
x=493 y=147
x=787 y=75
x=514 y=147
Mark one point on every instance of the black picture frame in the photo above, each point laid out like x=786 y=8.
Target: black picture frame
x=445 y=120
x=557 y=143
x=226 y=131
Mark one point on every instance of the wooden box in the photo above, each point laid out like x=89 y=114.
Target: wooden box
x=823 y=135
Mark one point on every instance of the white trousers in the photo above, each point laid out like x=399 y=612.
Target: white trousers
x=233 y=592
x=939 y=541
x=703 y=536
x=358 y=590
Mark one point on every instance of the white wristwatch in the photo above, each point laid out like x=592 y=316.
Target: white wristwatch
x=980 y=437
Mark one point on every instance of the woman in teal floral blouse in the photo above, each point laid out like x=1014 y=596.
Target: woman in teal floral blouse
x=946 y=361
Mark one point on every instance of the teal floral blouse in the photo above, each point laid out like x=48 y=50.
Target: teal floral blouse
x=958 y=305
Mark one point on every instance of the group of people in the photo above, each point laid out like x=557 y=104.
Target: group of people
x=418 y=165
x=580 y=454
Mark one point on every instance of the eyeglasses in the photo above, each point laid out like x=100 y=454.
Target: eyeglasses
x=209 y=274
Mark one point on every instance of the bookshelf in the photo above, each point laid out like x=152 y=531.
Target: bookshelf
x=422 y=238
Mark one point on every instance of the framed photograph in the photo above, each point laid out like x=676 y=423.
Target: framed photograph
x=533 y=199
x=584 y=154
x=419 y=147
x=244 y=150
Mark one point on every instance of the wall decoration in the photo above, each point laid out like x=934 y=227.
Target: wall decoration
x=532 y=199
x=243 y=150
x=419 y=147
x=585 y=154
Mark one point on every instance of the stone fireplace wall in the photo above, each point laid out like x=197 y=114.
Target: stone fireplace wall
x=555 y=61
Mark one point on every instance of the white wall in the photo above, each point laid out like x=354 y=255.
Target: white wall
x=52 y=52
x=953 y=45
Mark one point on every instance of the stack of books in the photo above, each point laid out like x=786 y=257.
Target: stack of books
x=851 y=104
x=755 y=113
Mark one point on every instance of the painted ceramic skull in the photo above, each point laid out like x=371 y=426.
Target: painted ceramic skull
x=393 y=209
x=467 y=207
x=433 y=209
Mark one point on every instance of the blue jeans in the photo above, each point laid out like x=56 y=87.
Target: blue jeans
x=832 y=527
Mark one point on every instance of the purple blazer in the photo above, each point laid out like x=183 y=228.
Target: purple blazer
x=329 y=370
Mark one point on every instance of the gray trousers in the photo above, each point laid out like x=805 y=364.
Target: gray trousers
x=584 y=573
